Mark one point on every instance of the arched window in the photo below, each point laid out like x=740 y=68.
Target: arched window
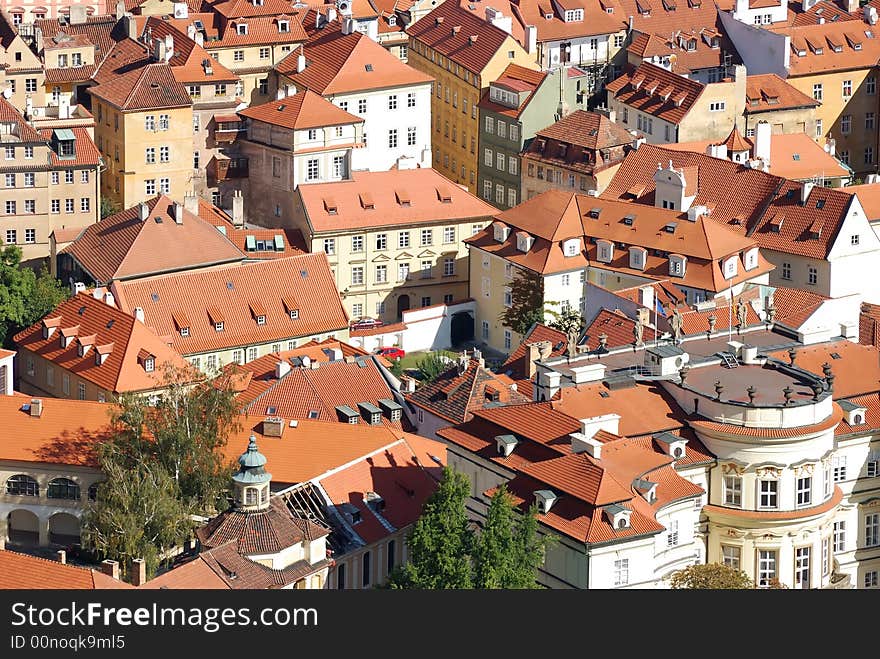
x=93 y=491
x=63 y=488
x=23 y=486
x=250 y=496
x=858 y=419
x=621 y=523
x=677 y=453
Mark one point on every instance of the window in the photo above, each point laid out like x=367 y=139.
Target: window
x=427 y=237
x=872 y=530
x=23 y=486
x=68 y=205
x=812 y=275
x=448 y=234
x=411 y=100
x=252 y=351
x=838 y=463
x=381 y=241
x=802 y=567
x=872 y=578
x=338 y=166
x=870 y=86
x=264 y=53
x=68 y=176
x=487 y=157
x=766 y=567
x=10 y=180
x=381 y=274
x=312 y=169
x=357 y=243
x=847 y=88
x=411 y=136
x=621 y=572
x=218 y=326
x=150 y=187
x=196 y=124
x=164 y=122
x=508 y=297
x=365 y=569
x=733 y=491
x=844 y=156
x=56 y=205
x=30 y=85
x=804 y=491
x=490 y=125
x=329 y=245
x=241 y=28
x=426 y=268
x=30 y=235
x=818 y=128
x=869 y=155
x=362 y=106
x=164 y=154
x=500 y=162
x=195 y=91
x=817 y=91
x=402 y=271
x=392 y=138
x=869 y=121
x=357 y=310
x=499 y=193
x=487 y=189
x=786 y=270
x=10 y=153
x=873 y=467
x=150 y=155
x=501 y=129
x=730 y=556
x=426 y=301
x=484 y=330
x=81 y=391
x=236 y=357
x=845 y=123
x=448 y=267
x=826 y=556
x=340 y=576
x=150 y=122
x=165 y=185
x=839 y=537
x=392 y=102
x=84 y=204
x=768 y=494
x=357 y=275
x=11 y=236
x=717 y=106
x=150 y=364
x=10 y=207
x=672 y=534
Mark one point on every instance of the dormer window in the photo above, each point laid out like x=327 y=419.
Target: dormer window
x=150 y=364
x=392 y=20
x=677 y=265
x=604 y=251
x=618 y=516
x=524 y=241
x=751 y=259
x=544 y=500
x=284 y=26
x=855 y=415
x=261 y=320
x=500 y=231
x=730 y=267
x=241 y=28
x=571 y=247
x=574 y=15
x=672 y=445
x=184 y=332
x=637 y=257
x=294 y=314
x=506 y=444
x=218 y=326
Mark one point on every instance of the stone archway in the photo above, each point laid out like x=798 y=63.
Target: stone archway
x=23 y=528
x=64 y=529
x=403 y=304
x=462 y=328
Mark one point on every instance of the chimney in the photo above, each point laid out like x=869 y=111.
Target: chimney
x=159 y=50
x=139 y=313
x=178 y=212
x=109 y=299
x=61 y=555
x=191 y=202
x=580 y=443
x=38 y=40
x=110 y=568
x=478 y=355
x=331 y=14
x=282 y=368
x=169 y=46
x=64 y=106
x=532 y=355
x=138 y=572
x=131 y=27
x=238 y=209
x=762 y=141
x=531 y=39
x=646 y=297
x=300 y=63
x=273 y=426
x=347 y=25
x=805 y=191
x=143 y=212
x=120 y=9
x=200 y=38
x=36 y=407
x=870 y=14
x=472 y=39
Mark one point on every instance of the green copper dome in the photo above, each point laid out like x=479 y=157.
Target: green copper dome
x=252 y=463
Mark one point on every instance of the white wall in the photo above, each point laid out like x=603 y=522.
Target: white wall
x=427 y=328
x=762 y=51
x=377 y=156
x=557 y=290
x=581 y=51
x=764 y=15
x=850 y=263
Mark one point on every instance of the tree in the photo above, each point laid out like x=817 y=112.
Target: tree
x=710 y=576
x=509 y=550
x=109 y=207
x=25 y=297
x=527 y=302
x=432 y=365
x=137 y=513
x=566 y=321
x=441 y=541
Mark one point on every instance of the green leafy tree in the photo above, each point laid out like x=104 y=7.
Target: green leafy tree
x=527 y=302
x=509 y=550
x=441 y=541
x=25 y=297
x=137 y=513
x=715 y=576
x=109 y=207
x=566 y=321
x=432 y=365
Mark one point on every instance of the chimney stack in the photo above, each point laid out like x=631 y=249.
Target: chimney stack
x=178 y=212
x=191 y=202
x=282 y=368
x=139 y=313
x=61 y=556
x=110 y=568
x=238 y=209
x=138 y=572
x=130 y=26
x=273 y=426
x=300 y=63
x=143 y=212
x=36 y=407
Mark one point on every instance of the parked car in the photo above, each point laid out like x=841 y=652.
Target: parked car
x=391 y=352
x=365 y=322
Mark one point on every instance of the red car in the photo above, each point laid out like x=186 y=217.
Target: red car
x=390 y=352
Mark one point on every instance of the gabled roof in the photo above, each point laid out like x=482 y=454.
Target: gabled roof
x=86 y=151
x=25 y=572
x=435 y=30
x=673 y=95
x=590 y=130
x=101 y=30
x=150 y=87
x=124 y=56
x=743 y=199
x=857 y=49
x=110 y=329
x=869 y=197
x=339 y=63
x=228 y=291
x=658 y=17
x=770 y=93
x=376 y=199
x=617 y=327
x=303 y=110
x=515 y=367
x=123 y=246
x=456 y=392
x=9 y=114
x=188 y=59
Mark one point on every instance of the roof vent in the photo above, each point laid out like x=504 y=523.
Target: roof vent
x=36 y=408
x=472 y=39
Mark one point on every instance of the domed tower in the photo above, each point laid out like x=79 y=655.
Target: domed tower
x=251 y=481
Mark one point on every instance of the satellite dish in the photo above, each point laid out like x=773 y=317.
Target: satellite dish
x=7 y=93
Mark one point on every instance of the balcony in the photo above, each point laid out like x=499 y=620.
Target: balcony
x=226 y=169
x=227 y=128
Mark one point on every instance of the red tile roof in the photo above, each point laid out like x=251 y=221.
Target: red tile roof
x=674 y=45
x=517 y=78
x=25 y=572
x=617 y=327
x=306 y=109
x=118 y=332
x=188 y=58
x=124 y=56
x=70 y=74
x=150 y=87
x=86 y=151
x=123 y=246
x=515 y=363
x=375 y=199
x=654 y=90
x=794 y=306
x=856 y=368
x=102 y=30
x=743 y=199
x=858 y=51
x=435 y=31
x=869 y=327
x=869 y=198
x=338 y=63
x=764 y=88
x=229 y=290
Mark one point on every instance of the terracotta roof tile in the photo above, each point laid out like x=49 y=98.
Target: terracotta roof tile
x=123 y=246
x=86 y=151
x=770 y=93
x=856 y=368
x=667 y=106
x=124 y=56
x=188 y=58
x=515 y=363
x=869 y=197
x=25 y=572
x=102 y=31
x=150 y=87
x=617 y=327
x=869 y=327
x=794 y=306
x=228 y=290
x=423 y=186
x=337 y=64
x=305 y=109
x=70 y=74
x=121 y=371
x=858 y=50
